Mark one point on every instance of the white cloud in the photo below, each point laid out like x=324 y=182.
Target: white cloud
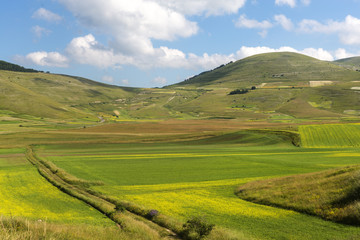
x=244 y=22
x=342 y=53
x=291 y=3
x=50 y=59
x=347 y=30
x=200 y=7
x=40 y=31
x=160 y=81
x=86 y=50
x=285 y=22
x=44 y=14
x=132 y=24
x=108 y=79
x=316 y=53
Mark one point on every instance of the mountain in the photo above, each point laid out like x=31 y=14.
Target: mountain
x=13 y=67
x=288 y=84
x=285 y=67
x=46 y=95
x=285 y=87
x=353 y=62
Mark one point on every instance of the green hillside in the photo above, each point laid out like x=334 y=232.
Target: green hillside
x=285 y=67
x=331 y=194
x=276 y=87
x=284 y=86
x=353 y=62
x=14 y=67
x=57 y=96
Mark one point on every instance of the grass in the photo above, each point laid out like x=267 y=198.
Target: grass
x=185 y=179
x=332 y=194
x=15 y=228
x=330 y=135
x=24 y=193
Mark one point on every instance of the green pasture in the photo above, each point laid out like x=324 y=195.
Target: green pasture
x=24 y=193
x=199 y=178
x=330 y=135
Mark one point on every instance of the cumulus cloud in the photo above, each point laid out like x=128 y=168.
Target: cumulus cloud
x=40 y=31
x=312 y=52
x=347 y=30
x=207 y=7
x=342 y=53
x=318 y=53
x=291 y=3
x=44 y=14
x=244 y=22
x=285 y=22
x=49 y=59
x=132 y=24
x=86 y=50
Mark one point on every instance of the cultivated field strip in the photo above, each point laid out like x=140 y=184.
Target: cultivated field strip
x=330 y=135
x=103 y=204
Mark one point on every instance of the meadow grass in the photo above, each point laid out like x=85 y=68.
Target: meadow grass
x=330 y=135
x=331 y=194
x=186 y=179
x=24 y=193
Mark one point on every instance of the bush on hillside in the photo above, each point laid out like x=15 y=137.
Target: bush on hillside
x=196 y=228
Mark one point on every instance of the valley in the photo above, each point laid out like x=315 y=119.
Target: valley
x=101 y=158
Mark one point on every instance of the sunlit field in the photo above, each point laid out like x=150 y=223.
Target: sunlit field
x=24 y=193
x=330 y=135
x=198 y=178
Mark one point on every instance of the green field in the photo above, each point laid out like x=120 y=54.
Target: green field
x=330 y=136
x=196 y=178
x=183 y=150
x=24 y=193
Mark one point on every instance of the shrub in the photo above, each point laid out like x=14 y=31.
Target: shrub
x=152 y=213
x=238 y=91
x=196 y=228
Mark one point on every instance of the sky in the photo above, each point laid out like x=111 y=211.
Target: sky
x=153 y=43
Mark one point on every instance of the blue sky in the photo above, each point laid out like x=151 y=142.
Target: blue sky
x=152 y=43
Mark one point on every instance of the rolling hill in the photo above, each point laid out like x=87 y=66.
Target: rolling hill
x=54 y=96
x=353 y=62
x=285 y=67
x=274 y=86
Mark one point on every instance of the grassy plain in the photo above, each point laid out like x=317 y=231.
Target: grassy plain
x=24 y=193
x=199 y=177
x=330 y=136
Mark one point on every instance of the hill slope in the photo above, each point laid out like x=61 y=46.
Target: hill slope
x=56 y=96
x=284 y=67
x=277 y=87
x=331 y=194
x=289 y=84
x=353 y=62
